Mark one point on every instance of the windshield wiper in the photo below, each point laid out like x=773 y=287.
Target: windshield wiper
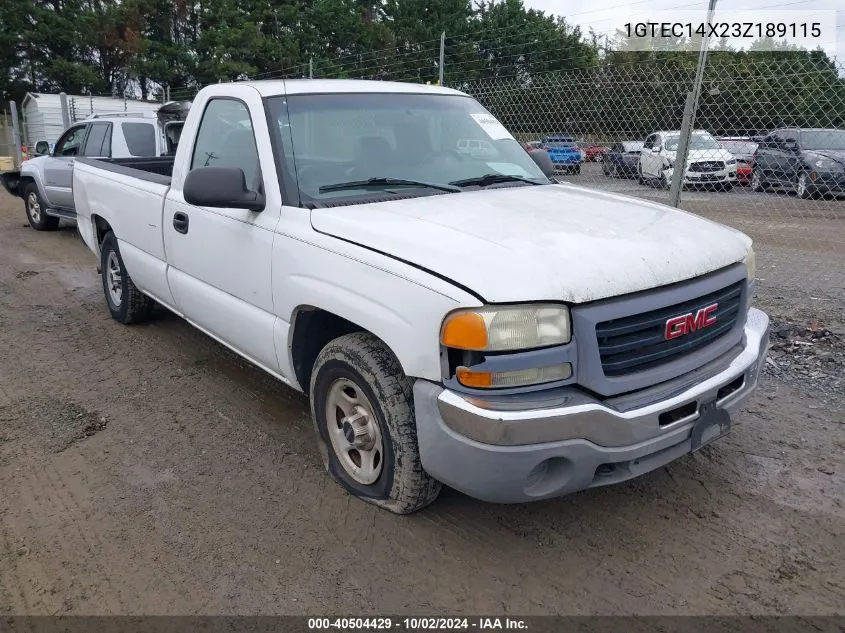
x=492 y=179
x=385 y=182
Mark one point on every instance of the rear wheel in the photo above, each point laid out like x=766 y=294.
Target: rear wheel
x=804 y=186
x=36 y=211
x=758 y=181
x=126 y=303
x=576 y=170
x=363 y=410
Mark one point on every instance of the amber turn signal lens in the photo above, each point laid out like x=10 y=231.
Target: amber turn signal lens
x=477 y=379
x=465 y=330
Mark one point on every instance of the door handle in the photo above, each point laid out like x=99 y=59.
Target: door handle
x=180 y=222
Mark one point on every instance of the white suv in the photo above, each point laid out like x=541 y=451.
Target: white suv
x=707 y=161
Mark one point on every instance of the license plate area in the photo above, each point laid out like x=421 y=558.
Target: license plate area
x=712 y=424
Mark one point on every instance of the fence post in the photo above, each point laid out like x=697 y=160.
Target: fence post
x=16 y=133
x=311 y=67
x=65 y=110
x=168 y=92
x=690 y=109
x=442 y=55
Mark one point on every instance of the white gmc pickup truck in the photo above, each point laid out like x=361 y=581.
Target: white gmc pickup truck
x=454 y=317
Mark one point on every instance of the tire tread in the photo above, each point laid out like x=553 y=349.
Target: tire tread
x=412 y=487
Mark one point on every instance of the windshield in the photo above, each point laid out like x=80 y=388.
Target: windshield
x=335 y=139
x=823 y=139
x=698 y=140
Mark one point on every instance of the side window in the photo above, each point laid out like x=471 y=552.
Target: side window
x=140 y=138
x=790 y=136
x=98 y=143
x=71 y=142
x=226 y=139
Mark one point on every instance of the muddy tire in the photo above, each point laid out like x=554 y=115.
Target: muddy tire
x=363 y=410
x=36 y=211
x=125 y=302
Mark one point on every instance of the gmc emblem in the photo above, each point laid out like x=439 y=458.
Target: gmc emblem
x=687 y=323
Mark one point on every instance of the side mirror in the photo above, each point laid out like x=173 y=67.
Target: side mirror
x=42 y=148
x=221 y=187
x=544 y=162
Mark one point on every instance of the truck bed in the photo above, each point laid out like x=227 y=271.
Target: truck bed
x=157 y=169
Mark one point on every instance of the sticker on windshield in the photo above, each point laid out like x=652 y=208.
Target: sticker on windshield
x=489 y=124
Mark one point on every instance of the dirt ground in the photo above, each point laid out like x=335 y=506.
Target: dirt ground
x=146 y=470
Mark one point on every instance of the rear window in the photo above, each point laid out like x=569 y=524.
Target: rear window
x=140 y=138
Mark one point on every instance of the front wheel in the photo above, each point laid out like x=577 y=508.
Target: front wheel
x=804 y=187
x=36 y=211
x=576 y=170
x=363 y=410
x=126 y=303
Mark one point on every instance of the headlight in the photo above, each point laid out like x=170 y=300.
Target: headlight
x=506 y=328
x=826 y=164
x=750 y=262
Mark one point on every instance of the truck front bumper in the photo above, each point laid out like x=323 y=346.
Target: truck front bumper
x=501 y=451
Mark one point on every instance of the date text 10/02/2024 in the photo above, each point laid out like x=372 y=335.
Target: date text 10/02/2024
x=416 y=624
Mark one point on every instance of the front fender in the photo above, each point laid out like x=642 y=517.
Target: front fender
x=32 y=169
x=380 y=297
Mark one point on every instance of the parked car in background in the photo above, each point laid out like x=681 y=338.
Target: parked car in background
x=707 y=162
x=453 y=319
x=564 y=152
x=44 y=182
x=811 y=161
x=742 y=148
x=622 y=160
x=591 y=152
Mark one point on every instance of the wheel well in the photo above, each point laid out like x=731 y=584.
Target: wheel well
x=313 y=328
x=101 y=227
x=23 y=182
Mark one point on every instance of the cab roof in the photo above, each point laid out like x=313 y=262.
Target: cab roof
x=275 y=87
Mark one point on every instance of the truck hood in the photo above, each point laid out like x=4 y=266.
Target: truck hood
x=551 y=242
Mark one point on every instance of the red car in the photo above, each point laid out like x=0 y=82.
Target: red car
x=593 y=153
x=743 y=150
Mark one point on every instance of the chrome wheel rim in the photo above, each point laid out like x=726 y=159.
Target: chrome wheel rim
x=114 y=279
x=354 y=431
x=34 y=207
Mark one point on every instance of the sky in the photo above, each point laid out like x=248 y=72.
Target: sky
x=603 y=15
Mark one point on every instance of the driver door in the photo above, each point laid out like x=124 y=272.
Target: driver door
x=58 y=167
